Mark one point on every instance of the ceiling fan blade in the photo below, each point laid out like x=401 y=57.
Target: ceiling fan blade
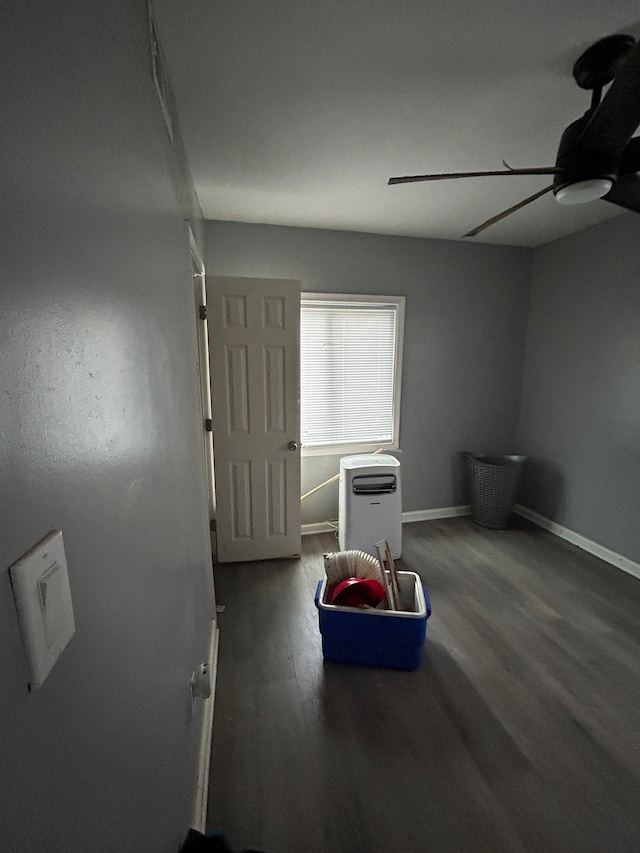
x=506 y=213
x=626 y=192
x=630 y=160
x=409 y=179
x=617 y=116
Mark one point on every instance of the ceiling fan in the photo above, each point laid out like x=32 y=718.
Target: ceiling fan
x=597 y=156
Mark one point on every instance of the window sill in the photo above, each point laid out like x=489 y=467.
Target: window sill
x=348 y=449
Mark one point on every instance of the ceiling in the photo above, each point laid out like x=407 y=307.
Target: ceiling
x=297 y=112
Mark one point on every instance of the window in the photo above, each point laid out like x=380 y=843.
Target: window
x=350 y=370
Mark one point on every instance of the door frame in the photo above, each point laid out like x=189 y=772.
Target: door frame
x=204 y=374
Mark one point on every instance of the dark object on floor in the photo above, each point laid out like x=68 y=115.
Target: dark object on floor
x=493 y=485
x=214 y=842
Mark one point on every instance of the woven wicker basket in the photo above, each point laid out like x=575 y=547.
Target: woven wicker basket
x=493 y=484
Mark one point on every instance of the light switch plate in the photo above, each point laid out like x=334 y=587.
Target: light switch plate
x=43 y=600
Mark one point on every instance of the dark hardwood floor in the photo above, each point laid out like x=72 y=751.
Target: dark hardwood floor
x=521 y=730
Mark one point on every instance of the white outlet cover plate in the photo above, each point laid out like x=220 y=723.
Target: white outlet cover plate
x=43 y=600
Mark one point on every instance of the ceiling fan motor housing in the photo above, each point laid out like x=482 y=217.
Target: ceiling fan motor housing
x=579 y=164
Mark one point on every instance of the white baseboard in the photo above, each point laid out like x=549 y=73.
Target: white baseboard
x=432 y=514
x=594 y=548
x=202 y=783
x=407 y=518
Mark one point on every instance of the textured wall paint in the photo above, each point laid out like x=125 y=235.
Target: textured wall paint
x=580 y=418
x=99 y=435
x=463 y=348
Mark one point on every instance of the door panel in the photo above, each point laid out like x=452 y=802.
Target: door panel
x=254 y=340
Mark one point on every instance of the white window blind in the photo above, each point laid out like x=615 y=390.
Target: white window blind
x=349 y=372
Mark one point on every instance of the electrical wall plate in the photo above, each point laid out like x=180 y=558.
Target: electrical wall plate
x=43 y=600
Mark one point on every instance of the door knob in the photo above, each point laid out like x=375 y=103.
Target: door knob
x=293 y=445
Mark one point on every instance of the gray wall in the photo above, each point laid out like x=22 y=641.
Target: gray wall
x=580 y=417
x=464 y=339
x=100 y=435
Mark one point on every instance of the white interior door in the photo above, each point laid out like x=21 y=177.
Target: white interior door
x=254 y=339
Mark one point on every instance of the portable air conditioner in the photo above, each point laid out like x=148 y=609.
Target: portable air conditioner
x=370 y=503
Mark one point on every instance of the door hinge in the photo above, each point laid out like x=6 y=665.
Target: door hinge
x=203 y=312
x=208 y=425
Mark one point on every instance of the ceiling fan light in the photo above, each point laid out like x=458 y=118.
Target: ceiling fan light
x=584 y=191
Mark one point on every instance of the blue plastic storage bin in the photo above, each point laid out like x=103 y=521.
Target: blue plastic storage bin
x=383 y=638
